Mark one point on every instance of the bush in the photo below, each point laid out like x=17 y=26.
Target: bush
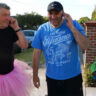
x=88 y=78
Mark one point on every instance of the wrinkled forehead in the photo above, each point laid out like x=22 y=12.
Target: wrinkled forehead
x=4 y=11
x=54 y=12
x=4 y=7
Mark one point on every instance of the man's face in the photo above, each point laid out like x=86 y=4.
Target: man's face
x=55 y=17
x=4 y=17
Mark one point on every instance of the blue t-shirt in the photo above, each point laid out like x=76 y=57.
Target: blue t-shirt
x=60 y=50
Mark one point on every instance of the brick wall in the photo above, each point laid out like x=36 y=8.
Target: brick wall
x=90 y=54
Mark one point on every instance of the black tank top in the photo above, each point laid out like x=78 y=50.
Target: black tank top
x=7 y=39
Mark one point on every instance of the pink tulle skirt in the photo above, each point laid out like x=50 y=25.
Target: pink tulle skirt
x=17 y=82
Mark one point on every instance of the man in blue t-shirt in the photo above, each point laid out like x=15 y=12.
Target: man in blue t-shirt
x=59 y=39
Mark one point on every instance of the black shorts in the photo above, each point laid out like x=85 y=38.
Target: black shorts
x=69 y=87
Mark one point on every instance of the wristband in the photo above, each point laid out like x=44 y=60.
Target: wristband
x=18 y=30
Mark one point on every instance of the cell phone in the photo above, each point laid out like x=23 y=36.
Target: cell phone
x=63 y=15
x=9 y=22
x=66 y=20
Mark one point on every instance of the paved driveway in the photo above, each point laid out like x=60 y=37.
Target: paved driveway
x=42 y=91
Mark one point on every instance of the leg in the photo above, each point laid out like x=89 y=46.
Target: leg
x=54 y=87
x=74 y=86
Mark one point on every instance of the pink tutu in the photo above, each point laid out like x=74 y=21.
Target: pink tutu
x=17 y=82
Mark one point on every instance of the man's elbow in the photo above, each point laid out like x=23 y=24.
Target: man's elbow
x=86 y=46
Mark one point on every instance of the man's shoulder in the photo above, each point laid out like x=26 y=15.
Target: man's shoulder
x=75 y=21
x=44 y=26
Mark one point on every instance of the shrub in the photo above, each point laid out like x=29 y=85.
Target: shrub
x=88 y=78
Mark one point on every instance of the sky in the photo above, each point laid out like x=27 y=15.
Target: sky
x=76 y=8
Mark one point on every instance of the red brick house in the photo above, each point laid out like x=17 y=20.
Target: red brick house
x=90 y=29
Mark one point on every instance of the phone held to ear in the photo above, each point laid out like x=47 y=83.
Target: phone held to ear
x=66 y=20
x=9 y=22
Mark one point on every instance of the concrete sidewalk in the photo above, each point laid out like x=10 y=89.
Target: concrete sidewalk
x=42 y=91
x=89 y=91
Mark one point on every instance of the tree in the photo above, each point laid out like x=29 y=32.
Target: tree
x=30 y=21
x=83 y=20
x=94 y=14
x=45 y=19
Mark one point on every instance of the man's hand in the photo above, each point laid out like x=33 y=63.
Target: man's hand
x=36 y=81
x=69 y=20
x=13 y=23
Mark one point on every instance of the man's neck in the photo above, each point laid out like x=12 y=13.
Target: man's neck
x=2 y=27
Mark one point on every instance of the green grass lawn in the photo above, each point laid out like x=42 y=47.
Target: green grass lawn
x=26 y=55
